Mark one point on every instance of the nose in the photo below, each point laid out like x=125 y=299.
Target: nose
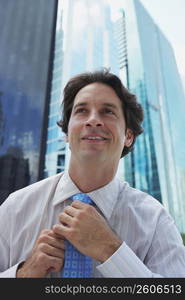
x=94 y=120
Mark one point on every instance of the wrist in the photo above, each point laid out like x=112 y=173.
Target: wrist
x=19 y=270
x=110 y=249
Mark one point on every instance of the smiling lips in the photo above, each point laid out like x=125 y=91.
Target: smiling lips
x=94 y=138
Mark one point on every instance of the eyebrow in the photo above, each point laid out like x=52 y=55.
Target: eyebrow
x=110 y=105
x=80 y=104
x=106 y=104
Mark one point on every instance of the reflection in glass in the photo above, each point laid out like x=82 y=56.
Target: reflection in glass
x=26 y=31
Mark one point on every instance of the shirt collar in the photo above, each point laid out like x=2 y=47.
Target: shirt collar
x=105 y=198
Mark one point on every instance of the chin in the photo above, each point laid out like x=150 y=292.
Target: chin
x=93 y=154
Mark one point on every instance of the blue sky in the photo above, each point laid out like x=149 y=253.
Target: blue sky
x=169 y=15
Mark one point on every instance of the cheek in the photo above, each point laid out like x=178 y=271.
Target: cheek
x=119 y=133
x=73 y=128
x=121 y=138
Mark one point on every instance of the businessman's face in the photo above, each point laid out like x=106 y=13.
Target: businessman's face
x=97 y=126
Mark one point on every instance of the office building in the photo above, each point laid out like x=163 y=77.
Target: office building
x=26 y=39
x=55 y=140
x=149 y=69
x=88 y=44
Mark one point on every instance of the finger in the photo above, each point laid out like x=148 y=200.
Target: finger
x=60 y=229
x=51 y=240
x=56 y=236
x=71 y=211
x=45 y=231
x=52 y=251
x=58 y=243
x=65 y=219
x=56 y=264
x=78 y=204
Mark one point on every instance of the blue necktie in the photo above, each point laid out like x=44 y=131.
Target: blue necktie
x=76 y=264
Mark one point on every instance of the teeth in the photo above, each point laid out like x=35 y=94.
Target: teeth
x=94 y=138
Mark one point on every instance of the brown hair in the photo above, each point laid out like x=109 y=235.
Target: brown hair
x=132 y=110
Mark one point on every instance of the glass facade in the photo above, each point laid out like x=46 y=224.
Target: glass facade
x=149 y=70
x=165 y=91
x=88 y=44
x=88 y=38
x=55 y=143
x=26 y=35
x=140 y=165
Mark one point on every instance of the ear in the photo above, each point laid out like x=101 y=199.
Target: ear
x=129 y=137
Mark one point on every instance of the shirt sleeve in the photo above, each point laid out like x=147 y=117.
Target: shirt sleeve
x=165 y=257
x=5 y=270
x=10 y=273
x=125 y=264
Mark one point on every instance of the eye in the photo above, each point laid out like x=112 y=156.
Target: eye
x=108 y=111
x=80 y=110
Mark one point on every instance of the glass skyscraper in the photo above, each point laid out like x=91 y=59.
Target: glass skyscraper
x=26 y=42
x=149 y=70
x=55 y=142
x=88 y=44
x=140 y=165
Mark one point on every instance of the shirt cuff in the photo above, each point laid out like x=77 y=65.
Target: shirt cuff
x=124 y=264
x=10 y=273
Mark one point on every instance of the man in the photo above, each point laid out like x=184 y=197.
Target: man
x=127 y=233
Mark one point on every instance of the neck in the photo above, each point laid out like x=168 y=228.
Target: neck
x=91 y=177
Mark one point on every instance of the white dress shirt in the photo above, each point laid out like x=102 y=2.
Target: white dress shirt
x=152 y=245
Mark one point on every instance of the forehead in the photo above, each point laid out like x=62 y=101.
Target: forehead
x=97 y=92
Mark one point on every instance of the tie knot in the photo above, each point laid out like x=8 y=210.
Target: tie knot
x=82 y=197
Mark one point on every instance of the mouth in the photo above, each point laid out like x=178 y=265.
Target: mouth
x=95 y=139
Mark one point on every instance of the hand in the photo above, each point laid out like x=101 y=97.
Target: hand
x=47 y=256
x=87 y=230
